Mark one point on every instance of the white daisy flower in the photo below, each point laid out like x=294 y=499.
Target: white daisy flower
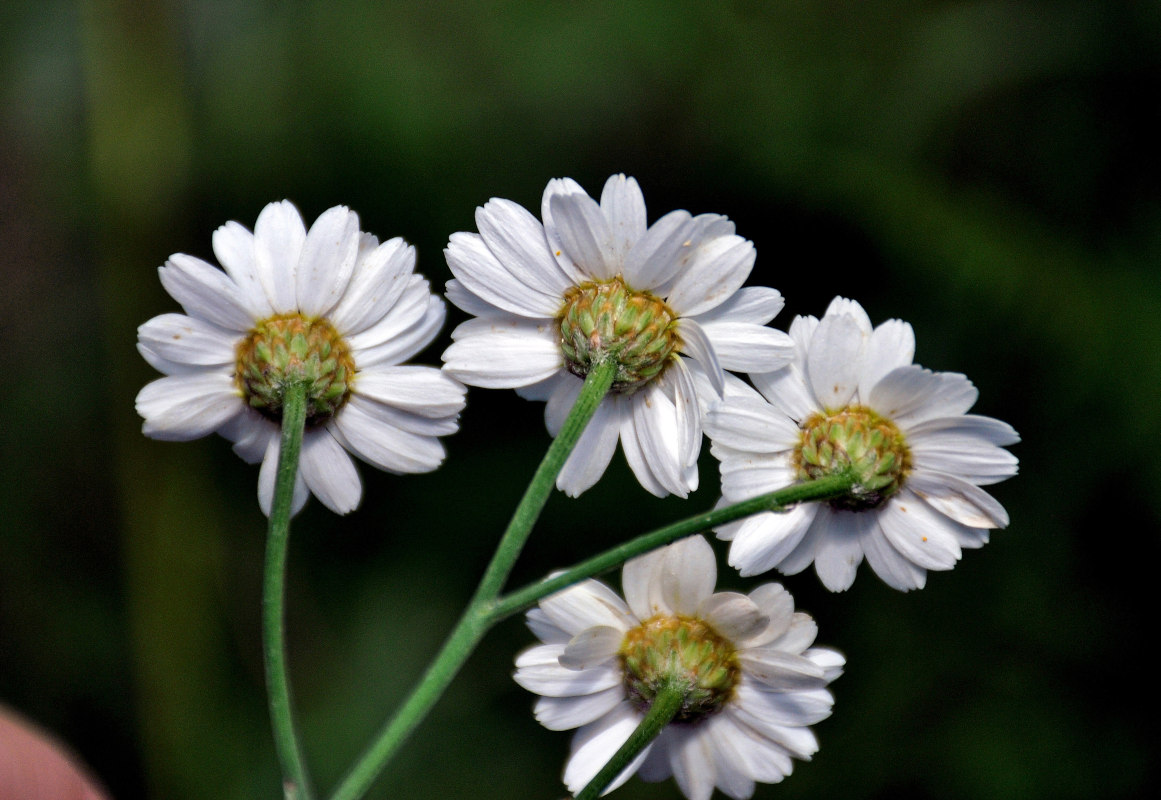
x=852 y=398
x=754 y=681
x=332 y=305
x=595 y=282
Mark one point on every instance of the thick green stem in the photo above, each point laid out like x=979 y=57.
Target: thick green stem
x=665 y=706
x=476 y=620
x=294 y=778
x=819 y=489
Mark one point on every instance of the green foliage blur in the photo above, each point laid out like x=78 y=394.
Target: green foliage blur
x=985 y=170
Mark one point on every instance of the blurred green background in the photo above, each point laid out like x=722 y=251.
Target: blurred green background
x=986 y=170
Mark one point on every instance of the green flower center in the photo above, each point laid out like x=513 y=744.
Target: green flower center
x=665 y=650
x=855 y=438
x=289 y=348
x=609 y=321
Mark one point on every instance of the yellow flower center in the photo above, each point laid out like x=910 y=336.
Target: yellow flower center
x=854 y=438
x=607 y=321
x=665 y=650
x=289 y=348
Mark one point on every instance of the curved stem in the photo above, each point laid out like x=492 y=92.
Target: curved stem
x=664 y=708
x=476 y=619
x=294 y=778
x=818 y=489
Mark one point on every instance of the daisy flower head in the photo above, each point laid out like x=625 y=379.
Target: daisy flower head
x=594 y=282
x=752 y=680
x=331 y=306
x=853 y=400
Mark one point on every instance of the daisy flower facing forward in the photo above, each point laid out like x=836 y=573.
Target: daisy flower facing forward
x=752 y=681
x=591 y=283
x=331 y=306
x=852 y=399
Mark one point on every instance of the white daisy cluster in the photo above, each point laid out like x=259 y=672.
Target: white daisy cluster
x=591 y=284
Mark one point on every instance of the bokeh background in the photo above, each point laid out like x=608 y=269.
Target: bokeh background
x=986 y=170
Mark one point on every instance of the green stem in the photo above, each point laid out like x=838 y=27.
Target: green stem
x=476 y=619
x=818 y=489
x=294 y=779
x=664 y=708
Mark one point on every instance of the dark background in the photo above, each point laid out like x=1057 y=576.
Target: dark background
x=987 y=171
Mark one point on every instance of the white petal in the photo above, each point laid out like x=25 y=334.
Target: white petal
x=781 y=672
x=754 y=305
x=777 y=606
x=278 y=238
x=189 y=340
x=765 y=540
x=516 y=239
x=910 y=395
x=359 y=428
x=544 y=628
x=688 y=413
x=463 y=299
x=839 y=551
x=634 y=455
x=329 y=472
x=503 y=354
x=587 y=604
x=538 y=670
x=594 y=450
x=584 y=235
x=733 y=615
x=205 y=292
x=566 y=389
x=674 y=579
x=482 y=274
x=717 y=268
x=958 y=499
x=234 y=247
x=555 y=187
x=185 y=407
x=592 y=647
x=836 y=351
x=266 y=479
x=692 y=763
x=696 y=344
x=967 y=457
x=892 y=566
x=421 y=390
x=661 y=252
x=750 y=424
x=891 y=345
x=656 y=422
x=753 y=753
x=726 y=742
x=404 y=315
x=842 y=306
x=379 y=279
x=745 y=347
x=988 y=429
x=793 y=709
x=624 y=207
x=594 y=744
x=407 y=344
x=565 y=713
x=251 y=434
x=787 y=389
x=917 y=531
x=800 y=634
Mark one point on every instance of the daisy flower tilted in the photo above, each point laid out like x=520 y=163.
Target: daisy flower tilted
x=594 y=282
x=853 y=400
x=752 y=682
x=331 y=306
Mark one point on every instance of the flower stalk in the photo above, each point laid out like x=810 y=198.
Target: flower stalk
x=479 y=617
x=662 y=711
x=286 y=741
